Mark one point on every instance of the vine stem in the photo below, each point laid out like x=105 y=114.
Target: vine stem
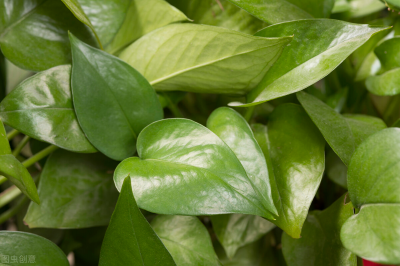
x=2 y=179
x=13 y=211
x=9 y=195
x=38 y=156
x=249 y=113
x=21 y=145
x=12 y=134
x=171 y=106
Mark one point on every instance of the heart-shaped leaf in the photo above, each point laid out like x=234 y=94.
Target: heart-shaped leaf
x=374 y=233
x=185 y=57
x=320 y=239
x=33 y=249
x=276 y=11
x=129 y=239
x=187 y=239
x=295 y=154
x=41 y=107
x=49 y=45
x=76 y=191
x=184 y=168
x=323 y=43
x=237 y=230
x=386 y=84
x=233 y=129
x=111 y=99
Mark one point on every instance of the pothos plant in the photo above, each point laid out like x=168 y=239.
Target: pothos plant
x=200 y=132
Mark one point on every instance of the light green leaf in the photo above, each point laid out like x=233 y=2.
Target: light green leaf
x=388 y=53
x=318 y=47
x=237 y=230
x=185 y=57
x=341 y=6
x=277 y=11
x=76 y=191
x=187 y=239
x=129 y=239
x=387 y=84
x=362 y=126
x=186 y=169
x=362 y=8
x=4 y=144
x=393 y=4
x=104 y=112
x=374 y=233
x=41 y=25
x=41 y=107
x=44 y=252
x=295 y=154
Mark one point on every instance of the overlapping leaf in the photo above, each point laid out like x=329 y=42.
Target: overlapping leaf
x=200 y=58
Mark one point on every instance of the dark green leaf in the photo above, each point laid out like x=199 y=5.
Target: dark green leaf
x=41 y=25
x=129 y=239
x=76 y=191
x=184 y=57
x=387 y=84
x=187 y=239
x=320 y=239
x=362 y=126
x=41 y=107
x=112 y=100
x=336 y=170
x=388 y=53
x=37 y=249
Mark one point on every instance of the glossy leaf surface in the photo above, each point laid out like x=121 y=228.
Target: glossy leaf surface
x=187 y=239
x=386 y=84
x=237 y=230
x=76 y=191
x=294 y=150
x=185 y=57
x=41 y=107
x=318 y=47
x=233 y=129
x=51 y=20
x=129 y=239
x=374 y=233
x=109 y=94
x=186 y=169
x=46 y=252
x=276 y=11
x=320 y=242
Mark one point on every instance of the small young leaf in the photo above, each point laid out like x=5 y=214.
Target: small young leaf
x=43 y=251
x=129 y=239
x=187 y=239
x=386 y=84
x=76 y=191
x=205 y=59
x=41 y=107
x=388 y=53
x=112 y=100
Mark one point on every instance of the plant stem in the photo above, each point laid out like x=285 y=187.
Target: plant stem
x=171 y=106
x=38 y=156
x=13 y=211
x=12 y=134
x=249 y=113
x=9 y=195
x=2 y=179
x=21 y=145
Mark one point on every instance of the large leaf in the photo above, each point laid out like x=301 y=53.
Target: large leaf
x=320 y=241
x=187 y=239
x=374 y=233
x=76 y=191
x=294 y=150
x=41 y=25
x=237 y=230
x=386 y=84
x=276 y=11
x=200 y=58
x=129 y=239
x=34 y=249
x=41 y=107
x=112 y=101
x=318 y=47
x=184 y=168
x=233 y=129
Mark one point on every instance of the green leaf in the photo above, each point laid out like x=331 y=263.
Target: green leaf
x=104 y=112
x=388 y=53
x=41 y=25
x=187 y=239
x=186 y=169
x=387 y=84
x=237 y=230
x=320 y=241
x=185 y=57
x=374 y=233
x=4 y=144
x=41 y=107
x=129 y=239
x=336 y=170
x=277 y=11
x=393 y=4
x=373 y=171
x=295 y=154
x=318 y=47
x=76 y=190
x=233 y=129
x=362 y=126
x=362 y=8
x=44 y=252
